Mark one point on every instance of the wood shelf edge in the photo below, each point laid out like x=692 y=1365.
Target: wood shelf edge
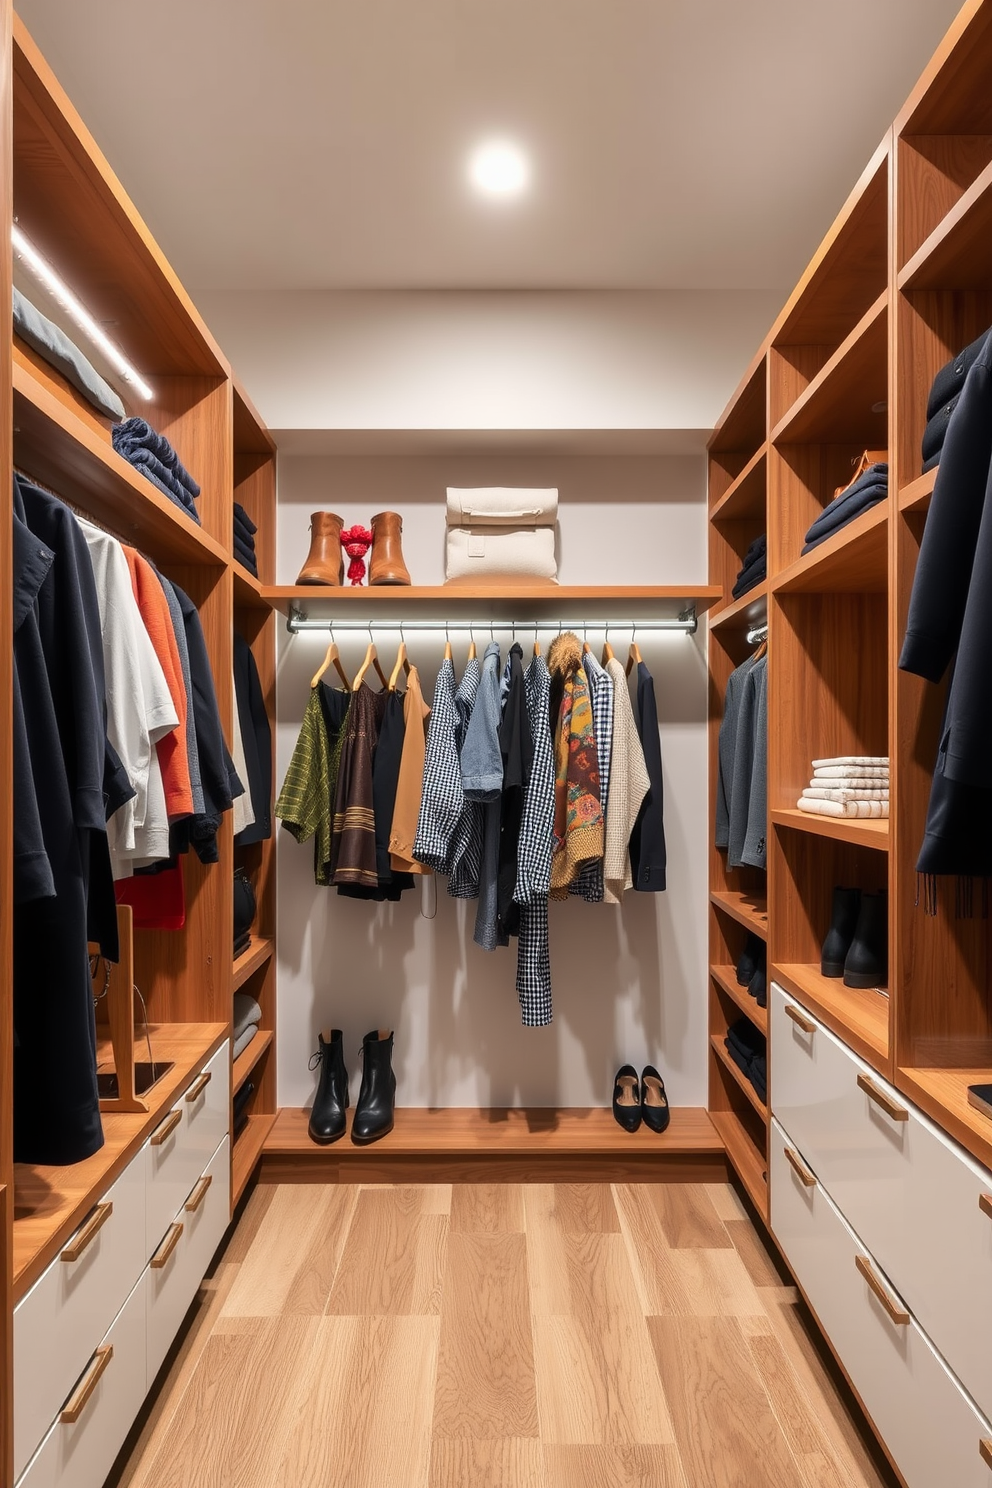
x=743 y=909
x=726 y=981
x=718 y=512
x=249 y=1057
x=748 y=1162
x=258 y=953
x=246 y=1152
x=831 y=369
x=828 y=1004
x=717 y=1045
x=942 y=1094
x=740 y=613
x=862 y=833
x=916 y=495
x=864 y=532
x=283 y=597
x=949 y=224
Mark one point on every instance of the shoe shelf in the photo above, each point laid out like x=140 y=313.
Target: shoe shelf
x=725 y=978
x=246 y=1152
x=747 y=909
x=854 y=559
x=915 y=497
x=744 y=613
x=317 y=602
x=258 y=953
x=745 y=496
x=719 y=1049
x=748 y=1161
x=839 y=403
x=248 y=1058
x=860 y=833
x=858 y=1016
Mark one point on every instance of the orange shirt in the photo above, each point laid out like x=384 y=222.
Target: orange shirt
x=410 y=785
x=171 y=748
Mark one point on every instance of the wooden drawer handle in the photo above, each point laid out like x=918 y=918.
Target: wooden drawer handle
x=985 y=1204
x=163 y=1132
x=899 y=1315
x=882 y=1098
x=199 y=1193
x=76 y=1403
x=799 y=1167
x=985 y=1450
x=87 y=1232
x=198 y=1086
x=168 y=1245
x=801 y=1023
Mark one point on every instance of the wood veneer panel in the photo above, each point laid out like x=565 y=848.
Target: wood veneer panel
x=746 y=1156
x=745 y=497
x=855 y=559
x=915 y=497
x=943 y=1095
x=195 y=415
x=749 y=910
x=954 y=256
x=245 y=965
x=861 y=833
x=742 y=426
x=726 y=980
x=952 y=96
x=839 y=404
x=935 y=171
x=933 y=326
x=744 y=613
x=860 y=1018
x=249 y=1058
x=662 y=599
x=802 y=480
x=738 y=1075
x=246 y=1153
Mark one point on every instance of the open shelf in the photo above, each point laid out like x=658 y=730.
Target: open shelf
x=943 y=1095
x=838 y=404
x=49 y=1203
x=861 y=833
x=751 y=609
x=506 y=599
x=860 y=1018
x=258 y=953
x=746 y=909
x=745 y=497
x=247 y=589
x=726 y=980
x=752 y=1169
x=52 y=443
x=741 y=428
x=720 y=1051
x=916 y=496
x=854 y=559
x=246 y=1154
x=956 y=253
x=248 y=1058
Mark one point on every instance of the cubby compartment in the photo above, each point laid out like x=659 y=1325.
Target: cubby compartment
x=743 y=1130
x=255 y=491
x=740 y=434
x=803 y=480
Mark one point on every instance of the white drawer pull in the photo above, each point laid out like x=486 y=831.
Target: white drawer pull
x=985 y=1451
x=801 y=1023
x=799 y=1167
x=899 y=1315
x=198 y=1086
x=163 y=1132
x=985 y=1204
x=882 y=1098
x=199 y=1193
x=87 y=1232
x=168 y=1245
x=76 y=1403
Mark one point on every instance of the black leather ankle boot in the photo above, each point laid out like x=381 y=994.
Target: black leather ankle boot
x=750 y=958
x=867 y=963
x=327 y=1118
x=843 y=923
x=377 y=1097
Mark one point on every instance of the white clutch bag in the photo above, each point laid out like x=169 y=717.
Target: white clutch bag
x=501 y=534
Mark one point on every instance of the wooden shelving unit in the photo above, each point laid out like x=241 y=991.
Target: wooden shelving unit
x=247 y=1152
x=861 y=833
x=860 y=1018
x=258 y=953
x=726 y=980
x=739 y=1077
x=249 y=1058
x=658 y=600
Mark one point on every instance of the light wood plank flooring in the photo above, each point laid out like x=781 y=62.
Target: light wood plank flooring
x=519 y=1336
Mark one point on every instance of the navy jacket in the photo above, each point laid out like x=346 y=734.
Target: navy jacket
x=648 y=855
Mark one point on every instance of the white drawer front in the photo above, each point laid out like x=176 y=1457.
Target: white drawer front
x=179 y=1149
x=81 y=1453
x=61 y=1320
x=927 y=1422
x=196 y=1233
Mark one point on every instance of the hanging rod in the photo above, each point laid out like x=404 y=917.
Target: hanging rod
x=758 y=634
x=297 y=623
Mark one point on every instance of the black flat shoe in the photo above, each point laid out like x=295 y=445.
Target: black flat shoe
x=654 y=1101
x=626 y=1098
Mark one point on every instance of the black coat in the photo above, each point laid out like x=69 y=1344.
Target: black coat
x=256 y=735
x=950 y=617
x=217 y=774
x=648 y=855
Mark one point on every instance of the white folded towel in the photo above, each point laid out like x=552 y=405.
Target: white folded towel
x=851 y=772
x=871 y=809
x=846 y=793
x=853 y=759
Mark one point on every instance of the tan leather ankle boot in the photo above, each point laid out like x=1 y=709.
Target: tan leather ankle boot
x=325 y=562
x=386 y=565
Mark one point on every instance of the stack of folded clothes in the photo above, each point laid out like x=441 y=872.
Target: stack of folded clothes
x=753 y=569
x=247 y=1017
x=869 y=486
x=746 y=1047
x=53 y=346
x=855 y=785
x=751 y=969
x=244 y=540
x=154 y=456
x=943 y=400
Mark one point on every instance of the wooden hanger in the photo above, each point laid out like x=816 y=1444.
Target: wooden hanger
x=472 y=652
x=761 y=650
x=332 y=658
x=402 y=664
x=607 y=648
x=634 y=657
x=371 y=660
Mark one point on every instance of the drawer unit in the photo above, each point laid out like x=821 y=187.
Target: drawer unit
x=70 y=1307
x=184 y=1141
x=929 y=1425
x=180 y=1262
x=99 y=1410
x=913 y=1197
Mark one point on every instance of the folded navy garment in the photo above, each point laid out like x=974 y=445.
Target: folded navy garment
x=53 y=345
x=136 y=433
x=143 y=459
x=246 y=550
x=757 y=550
x=185 y=506
x=750 y=576
x=748 y=1040
x=950 y=379
x=242 y=518
x=245 y=537
x=247 y=562
x=866 y=492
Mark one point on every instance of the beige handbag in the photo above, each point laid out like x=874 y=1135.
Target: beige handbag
x=501 y=534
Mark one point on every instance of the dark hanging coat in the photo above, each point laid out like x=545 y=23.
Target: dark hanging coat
x=648 y=854
x=256 y=735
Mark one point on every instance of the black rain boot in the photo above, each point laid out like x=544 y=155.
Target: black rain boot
x=377 y=1097
x=327 y=1118
x=867 y=963
x=750 y=956
x=843 y=923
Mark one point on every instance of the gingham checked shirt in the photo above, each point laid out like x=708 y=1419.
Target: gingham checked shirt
x=534 y=858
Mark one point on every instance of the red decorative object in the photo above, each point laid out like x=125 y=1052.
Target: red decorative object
x=356 y=542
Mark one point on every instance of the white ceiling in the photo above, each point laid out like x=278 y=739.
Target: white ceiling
x=321 y=144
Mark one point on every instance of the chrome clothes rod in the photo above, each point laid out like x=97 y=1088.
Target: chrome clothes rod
x=685 y=624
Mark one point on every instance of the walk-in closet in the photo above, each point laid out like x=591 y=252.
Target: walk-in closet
x=494 y=879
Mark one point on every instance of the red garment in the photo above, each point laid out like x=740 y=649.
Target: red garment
x=171 y=748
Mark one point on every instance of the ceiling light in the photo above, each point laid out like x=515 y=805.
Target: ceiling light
x=64 y=297
x=499 y=168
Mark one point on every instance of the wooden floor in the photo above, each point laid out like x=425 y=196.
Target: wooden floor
x=519 y=1336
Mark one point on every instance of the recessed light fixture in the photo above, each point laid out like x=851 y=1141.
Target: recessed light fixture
x=499 y=168
x=64 y=296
